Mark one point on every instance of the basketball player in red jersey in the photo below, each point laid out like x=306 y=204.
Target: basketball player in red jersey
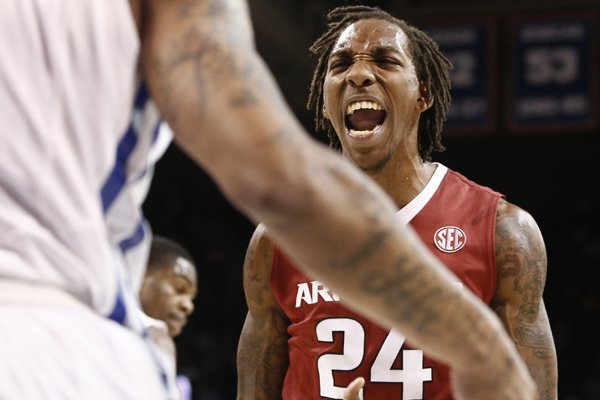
x=78 y=149
x=381 y=90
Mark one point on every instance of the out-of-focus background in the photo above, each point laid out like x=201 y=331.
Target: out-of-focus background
x=525 y=121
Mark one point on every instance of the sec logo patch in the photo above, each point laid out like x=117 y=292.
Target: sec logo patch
x=449 y=239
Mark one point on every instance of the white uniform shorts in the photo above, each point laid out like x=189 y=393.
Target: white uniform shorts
x=55 y=348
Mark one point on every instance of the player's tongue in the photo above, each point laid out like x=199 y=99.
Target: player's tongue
x=364 y=120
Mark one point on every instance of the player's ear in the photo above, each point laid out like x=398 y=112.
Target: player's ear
x=425 y=99
x=325 y=112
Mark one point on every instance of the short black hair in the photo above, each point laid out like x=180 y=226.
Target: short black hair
x=430 y=65
x=164 y=252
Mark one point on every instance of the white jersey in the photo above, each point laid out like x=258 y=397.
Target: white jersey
x=164 y=349
x=71 y=161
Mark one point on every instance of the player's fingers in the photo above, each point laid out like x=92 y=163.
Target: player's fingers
x=353 y=389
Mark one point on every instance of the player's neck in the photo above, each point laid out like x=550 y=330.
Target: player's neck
x=404 y=180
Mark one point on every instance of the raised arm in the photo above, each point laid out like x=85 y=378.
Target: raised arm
x=262 y=358
x=521 y=262
x=337 y=225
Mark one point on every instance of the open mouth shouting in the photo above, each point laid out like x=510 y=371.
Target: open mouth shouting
x=364 y=118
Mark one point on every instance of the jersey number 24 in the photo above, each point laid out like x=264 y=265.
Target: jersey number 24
x=412 y=375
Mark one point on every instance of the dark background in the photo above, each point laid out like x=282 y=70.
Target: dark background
x=554 y=176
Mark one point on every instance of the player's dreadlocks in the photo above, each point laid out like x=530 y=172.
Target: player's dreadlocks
x=430 y=64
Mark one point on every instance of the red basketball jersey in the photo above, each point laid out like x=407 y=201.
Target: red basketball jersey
x=330 y=345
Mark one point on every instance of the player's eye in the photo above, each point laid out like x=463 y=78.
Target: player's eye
x=339 y=64
x=387 y=61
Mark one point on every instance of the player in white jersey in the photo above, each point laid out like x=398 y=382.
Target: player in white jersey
x=74 y=243
x=167 y=298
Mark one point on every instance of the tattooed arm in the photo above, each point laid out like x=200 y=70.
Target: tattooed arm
x=226 y=112
x=262 y=358
x=521 y=264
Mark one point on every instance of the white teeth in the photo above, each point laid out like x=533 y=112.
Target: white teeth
x=356 y=133
x=359 y=105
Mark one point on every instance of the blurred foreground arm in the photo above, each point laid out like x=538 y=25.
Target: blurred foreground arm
x=226 y=112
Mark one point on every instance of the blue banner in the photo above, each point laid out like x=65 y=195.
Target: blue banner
x=551 y=83
x=471 y=48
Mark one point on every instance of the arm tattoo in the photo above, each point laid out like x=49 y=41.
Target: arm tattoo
x=265 y=360
x=262 y=354
x=406 y=291
x=209 y=51
x=404 y=288
x=361 y=198
x=521 y=261
x=213 y=64
x=523 y=258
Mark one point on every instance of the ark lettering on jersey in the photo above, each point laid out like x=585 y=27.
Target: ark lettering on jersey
x=312 y=292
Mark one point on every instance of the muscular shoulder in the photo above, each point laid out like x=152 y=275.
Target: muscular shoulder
x=516 y=227
x=260 y=249
x=520 y=251
x=258 y=263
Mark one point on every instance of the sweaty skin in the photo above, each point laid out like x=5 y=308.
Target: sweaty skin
x=226 y=112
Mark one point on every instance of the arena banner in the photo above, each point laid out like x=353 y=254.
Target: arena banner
x=471 y=46
x=552 y=73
